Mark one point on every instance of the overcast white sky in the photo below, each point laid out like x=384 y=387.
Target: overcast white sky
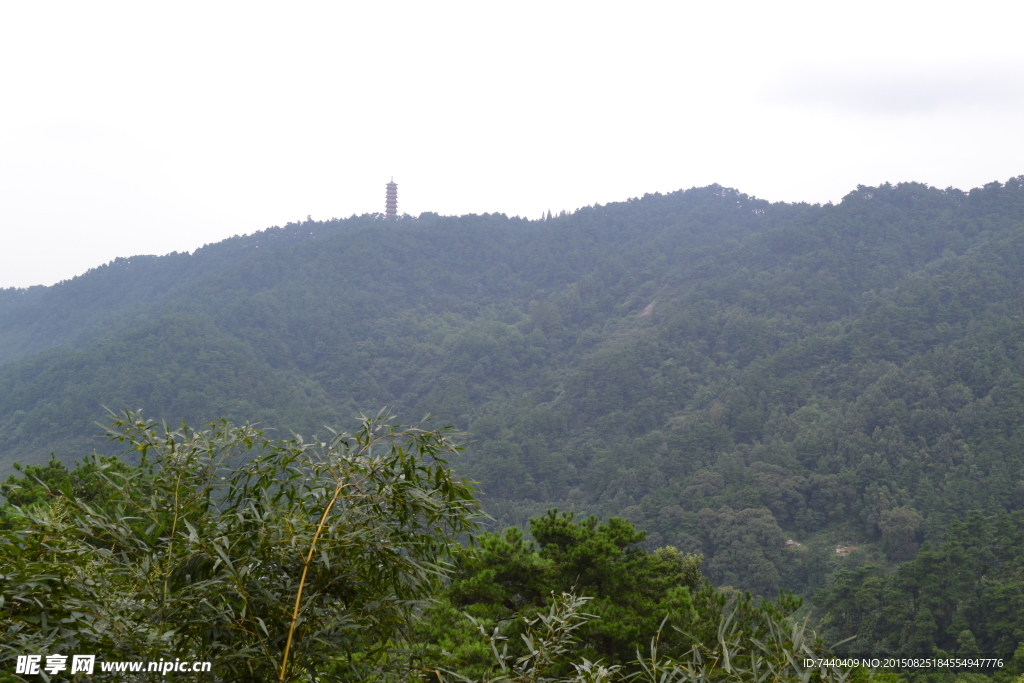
x=137 y=128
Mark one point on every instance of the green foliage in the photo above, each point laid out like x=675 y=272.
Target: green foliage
x=724 y=372
x=503 y=579
x=338 y=561
x=750 y=645
x=748 y=641
x=550 y=641
x=963 y=597
x=38 y=485
x=273 y=559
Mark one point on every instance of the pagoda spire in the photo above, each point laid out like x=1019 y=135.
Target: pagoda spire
x=391 y=205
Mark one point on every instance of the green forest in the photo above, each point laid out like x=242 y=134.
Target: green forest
x=672 y=412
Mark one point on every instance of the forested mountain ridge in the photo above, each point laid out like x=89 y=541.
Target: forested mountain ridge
x=38 y=318
x=723 y=371
x=430 y=275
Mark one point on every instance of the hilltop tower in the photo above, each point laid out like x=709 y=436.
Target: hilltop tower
x=391 y=205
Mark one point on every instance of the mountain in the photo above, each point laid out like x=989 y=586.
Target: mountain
x=723 y=371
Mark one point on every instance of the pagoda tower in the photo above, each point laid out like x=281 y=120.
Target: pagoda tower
x=392 y=200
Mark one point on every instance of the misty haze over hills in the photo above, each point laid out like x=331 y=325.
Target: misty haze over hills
x=723 y=371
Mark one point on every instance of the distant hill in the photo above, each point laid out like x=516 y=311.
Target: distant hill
x=724 y=371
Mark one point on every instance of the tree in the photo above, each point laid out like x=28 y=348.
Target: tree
x=742 y=640
x=900 y=529
x=36 y=482
x=272 y=559
x=964 y=596
x=504 y=579
x=743 y=545
x=39 y=485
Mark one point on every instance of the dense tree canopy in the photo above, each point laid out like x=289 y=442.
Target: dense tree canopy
x=285 y=560
x=723 y=373
x=963 y=596
x=278 y=560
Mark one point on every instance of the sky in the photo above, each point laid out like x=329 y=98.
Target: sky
x=145 y=128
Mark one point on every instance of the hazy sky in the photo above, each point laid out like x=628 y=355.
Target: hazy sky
x=130 y=128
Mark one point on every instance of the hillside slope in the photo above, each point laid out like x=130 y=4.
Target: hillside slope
x=724 y=371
